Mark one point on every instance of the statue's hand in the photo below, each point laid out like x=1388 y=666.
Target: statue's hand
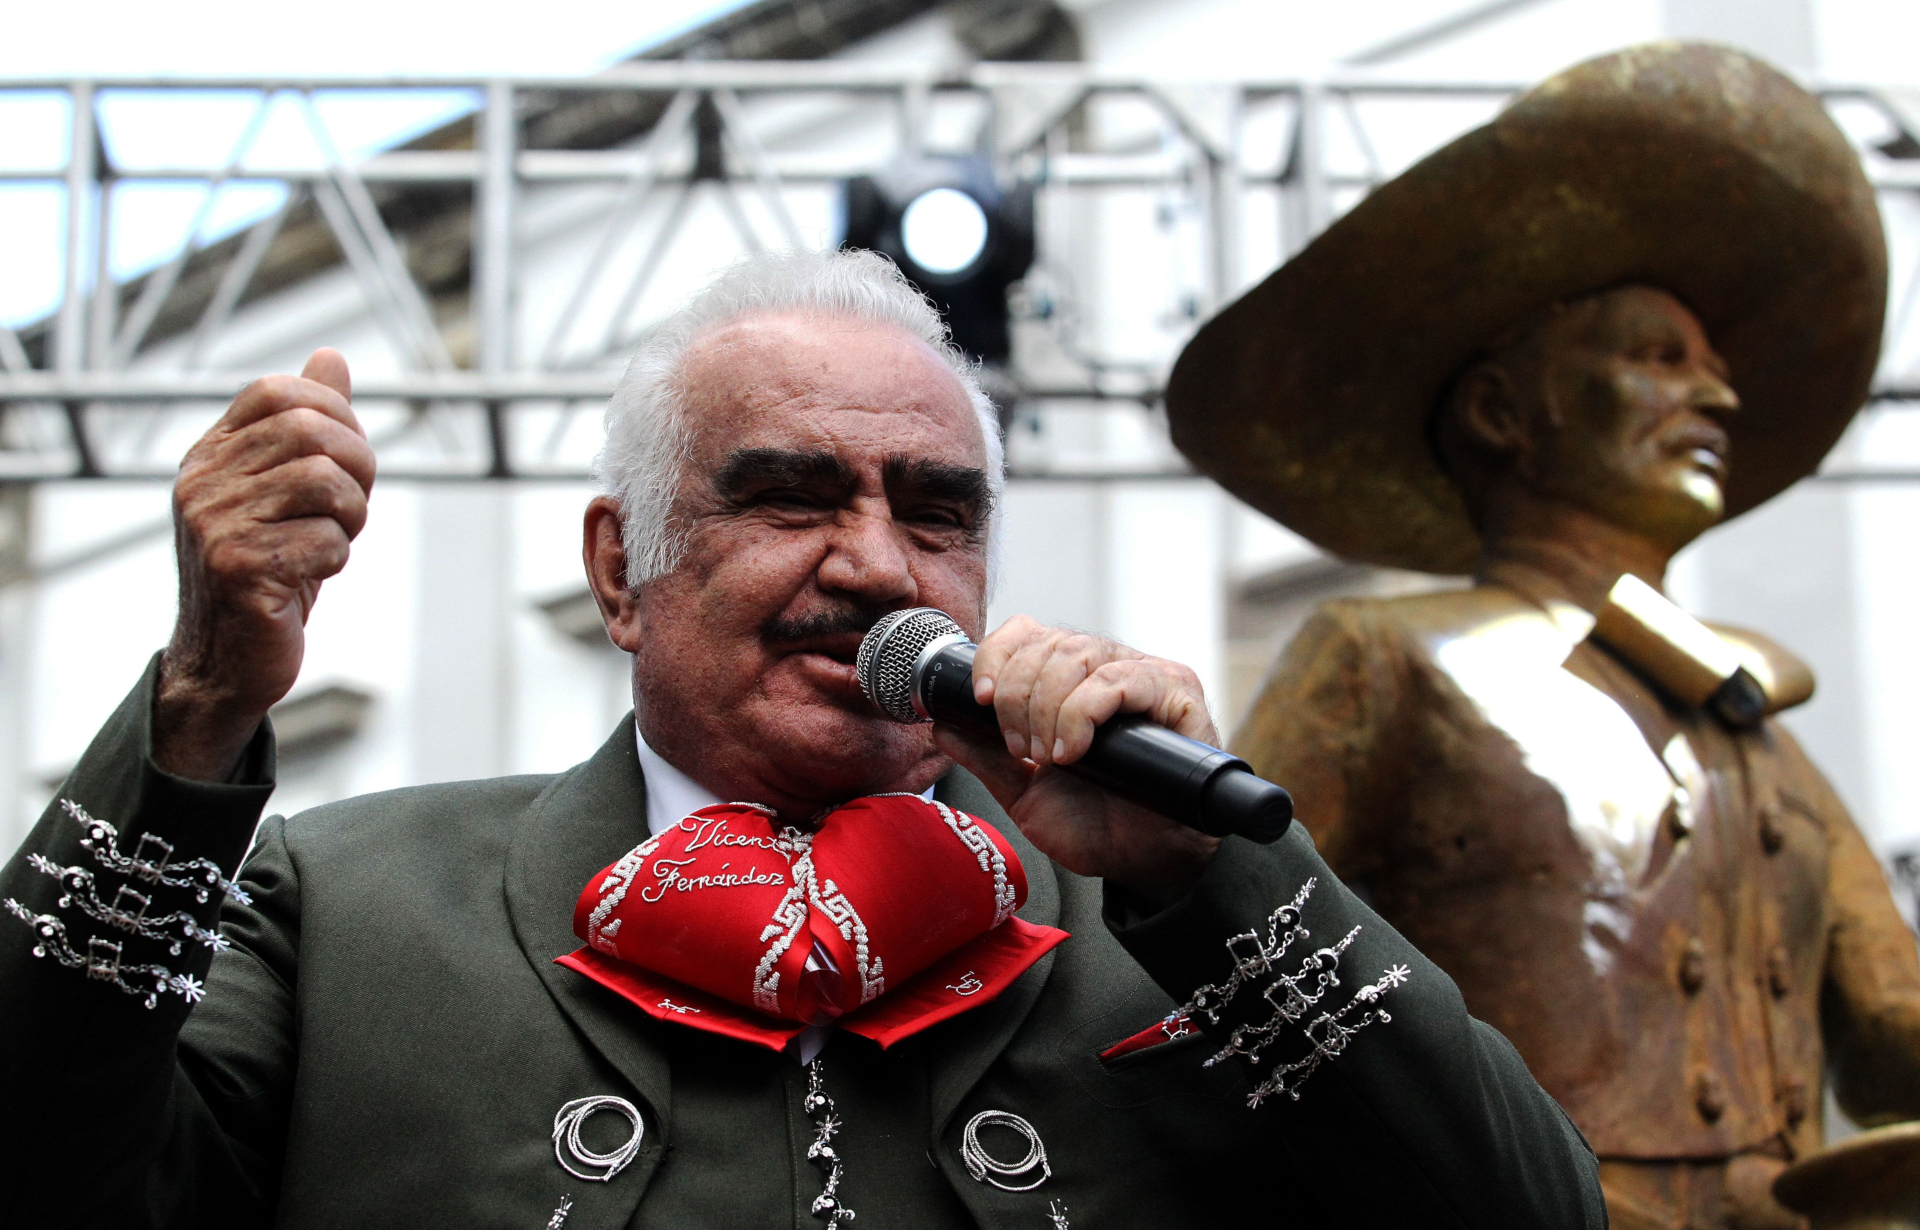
x=1050 y=687
x=264 y=507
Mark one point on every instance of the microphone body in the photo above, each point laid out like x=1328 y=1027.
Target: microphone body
x=917 y=665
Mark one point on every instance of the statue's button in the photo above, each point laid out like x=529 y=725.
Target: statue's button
x=1710 y=1096
x=1693 y=966
x=1793 y=1101
x=1680 y=813
x=1779 y=972
x=1772 y=835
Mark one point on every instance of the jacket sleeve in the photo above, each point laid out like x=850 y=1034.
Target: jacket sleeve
x=110 y=940
x=1359 y=1052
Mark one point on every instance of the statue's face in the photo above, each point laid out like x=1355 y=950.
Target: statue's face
x=1627 y=407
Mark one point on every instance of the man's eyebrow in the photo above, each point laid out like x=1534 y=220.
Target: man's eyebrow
x=940 y=480
x=748 y=469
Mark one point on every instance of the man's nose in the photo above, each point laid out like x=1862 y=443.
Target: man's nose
x=867 y=558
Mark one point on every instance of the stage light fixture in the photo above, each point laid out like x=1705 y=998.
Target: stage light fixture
x=957 y=235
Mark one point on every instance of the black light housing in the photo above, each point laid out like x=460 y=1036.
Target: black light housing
x=955 y=233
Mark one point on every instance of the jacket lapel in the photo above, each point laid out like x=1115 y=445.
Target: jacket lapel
x=590 y=816
x=968 y=1045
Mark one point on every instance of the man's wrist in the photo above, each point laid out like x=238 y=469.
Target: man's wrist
x=200 y=732
x=1170 y=879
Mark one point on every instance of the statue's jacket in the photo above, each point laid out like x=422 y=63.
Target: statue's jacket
x=1662 y=913
x=383 y=1039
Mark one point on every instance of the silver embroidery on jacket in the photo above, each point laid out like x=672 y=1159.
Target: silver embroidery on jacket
x=149 y=862
x=599 y=1167
x=102 y=961
x=128 y=912
x=986 y=1168
x=821 y=1153
x=150 y=865
x=1292 y=997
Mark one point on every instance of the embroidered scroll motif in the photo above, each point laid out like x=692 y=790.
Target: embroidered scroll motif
x=986 y=1168
x=573 y=1154
x=128 y=911
x=151 y=866
x=149 y=862
x=821 y=1153
x=102 y=961
x=991 y=860
x=1292 y=997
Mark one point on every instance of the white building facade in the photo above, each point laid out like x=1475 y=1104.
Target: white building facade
x=1172 y=172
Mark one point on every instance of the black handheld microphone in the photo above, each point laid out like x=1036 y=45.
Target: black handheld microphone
x=917 y=666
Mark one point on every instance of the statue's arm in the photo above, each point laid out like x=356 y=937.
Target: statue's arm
x=1315 y=730
x=116 y=1117
x=1870 y=1003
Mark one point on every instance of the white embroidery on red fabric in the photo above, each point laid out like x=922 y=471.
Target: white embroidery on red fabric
x=618 y=879
x=968 y=984
x=789 y=920
x=840 y=912
x=985 y=852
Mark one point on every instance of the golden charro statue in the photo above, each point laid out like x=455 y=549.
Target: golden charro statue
x=1645 y=298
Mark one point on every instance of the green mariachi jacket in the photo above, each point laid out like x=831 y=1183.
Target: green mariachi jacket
x=386 y=1041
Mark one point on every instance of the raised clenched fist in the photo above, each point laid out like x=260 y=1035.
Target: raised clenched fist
x=264 y=508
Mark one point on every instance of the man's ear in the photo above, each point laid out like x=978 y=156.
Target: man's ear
x=605 y=556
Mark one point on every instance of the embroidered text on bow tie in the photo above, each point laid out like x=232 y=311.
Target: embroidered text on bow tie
x=895 y=913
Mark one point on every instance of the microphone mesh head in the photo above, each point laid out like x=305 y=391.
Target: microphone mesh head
x=886 y=658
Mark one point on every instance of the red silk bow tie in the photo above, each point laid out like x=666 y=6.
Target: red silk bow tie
x=711 y=923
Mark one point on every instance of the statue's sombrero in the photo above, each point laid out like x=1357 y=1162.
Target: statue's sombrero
x=1694 y=168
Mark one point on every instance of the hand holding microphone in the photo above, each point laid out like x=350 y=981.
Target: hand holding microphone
x=917 y=665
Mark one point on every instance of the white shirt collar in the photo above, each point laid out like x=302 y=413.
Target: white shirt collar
x=671 y=794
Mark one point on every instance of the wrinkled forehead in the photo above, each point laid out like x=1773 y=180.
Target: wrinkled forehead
x=861 y=389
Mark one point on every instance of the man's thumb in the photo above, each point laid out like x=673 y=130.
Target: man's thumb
x=329 y=367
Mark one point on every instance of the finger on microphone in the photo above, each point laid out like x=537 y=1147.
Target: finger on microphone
x=994 y=652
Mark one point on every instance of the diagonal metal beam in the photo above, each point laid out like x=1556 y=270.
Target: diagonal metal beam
x=161 y=282
x=236 y=277
x=740 y=133
x=389 y=267
x=620 y=219
x=1420 y=38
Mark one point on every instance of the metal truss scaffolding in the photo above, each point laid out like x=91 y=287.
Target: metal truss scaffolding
x=438 y=238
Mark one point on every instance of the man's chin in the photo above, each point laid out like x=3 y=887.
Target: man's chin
x=822 y=748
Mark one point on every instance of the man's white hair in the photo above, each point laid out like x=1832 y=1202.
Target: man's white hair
x=647 y=433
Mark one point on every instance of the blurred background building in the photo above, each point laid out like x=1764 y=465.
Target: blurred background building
x=486 y=249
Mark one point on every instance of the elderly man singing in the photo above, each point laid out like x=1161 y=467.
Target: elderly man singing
x=767 y=958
